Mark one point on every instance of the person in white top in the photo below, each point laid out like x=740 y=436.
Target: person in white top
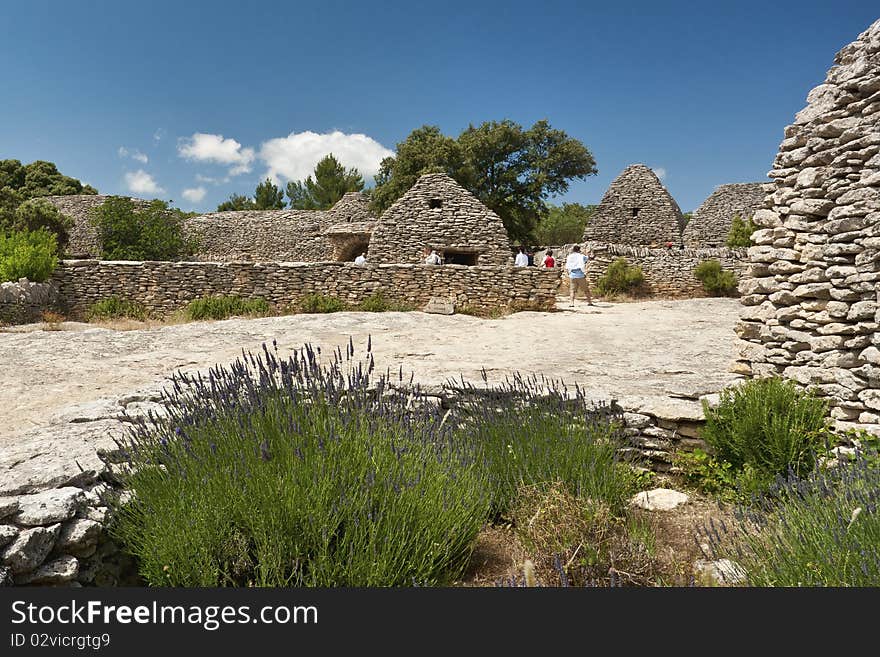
x=432 y=257
x=361 y=259
x=576 y=263
x=522 y=259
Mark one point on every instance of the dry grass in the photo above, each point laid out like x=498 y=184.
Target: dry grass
x=551 y=529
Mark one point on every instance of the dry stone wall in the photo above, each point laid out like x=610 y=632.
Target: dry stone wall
x=163 y=287
x=812 y=297
x=668 y=272
x=711 y=222
x=636 y=210
x=261 y=235
x=24 y=302
x=440 y=213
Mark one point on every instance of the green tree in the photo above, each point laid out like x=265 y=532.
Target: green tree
x=22 y=182
x=267 y=196
x=564 y=224
x=511 y=169
x=130 y=232
x=39 y=213
x=331 y=182
x=236 y=202
x=740 y=234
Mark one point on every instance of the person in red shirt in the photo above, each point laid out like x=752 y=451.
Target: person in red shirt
x=549 y=261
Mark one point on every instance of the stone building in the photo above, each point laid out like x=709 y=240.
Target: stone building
x=83 y=241
x=637 y=211
x=353 y=226
x=811 y=302
x=279 y=235
x=710 y=224
x=438 y=212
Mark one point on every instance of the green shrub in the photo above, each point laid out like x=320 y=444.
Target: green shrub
x=28 y=254
x=318 y=303
x=740 y=232
x=716 y=281
x=532 y=435
x=39 y=213
x=620 y=278
x=822 y=530
x=116 y=307
x=130 y=232
x=769 y=425
x=377 y=303
x=222 y=307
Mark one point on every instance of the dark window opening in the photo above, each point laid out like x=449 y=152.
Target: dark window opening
x=635 y=212
x=435 y=203
x=468 y=258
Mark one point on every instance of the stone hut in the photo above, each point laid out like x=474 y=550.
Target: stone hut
x=711 y=222
x=83 y=236
x=438 y=212
x=811 y=302
x=350 y=235
x=636 y=211
x=262 y=235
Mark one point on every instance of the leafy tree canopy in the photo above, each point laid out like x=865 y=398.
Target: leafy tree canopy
x=331 y=182
x=563 y=224
x=512 y=170
x=267 y=196
x=236 y=202
x=22 y=182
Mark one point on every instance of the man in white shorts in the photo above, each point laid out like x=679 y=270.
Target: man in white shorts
x=576 y=264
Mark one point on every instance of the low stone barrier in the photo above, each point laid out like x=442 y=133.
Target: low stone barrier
x=163 y=287
x=668 y=272
x=24 y=302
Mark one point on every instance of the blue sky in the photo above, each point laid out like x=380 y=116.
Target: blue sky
x=192 y=101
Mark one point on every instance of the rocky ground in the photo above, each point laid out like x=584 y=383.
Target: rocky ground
x=638 y=353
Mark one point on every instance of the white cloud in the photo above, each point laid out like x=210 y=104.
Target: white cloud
x=141 y=182
x=159 y=134
x=203 y=147
x=134 y=155
x=194 y=194
x=660 y=172
x=294 y=157
x=207 y=179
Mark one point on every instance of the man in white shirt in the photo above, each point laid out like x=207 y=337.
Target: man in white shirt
x=576 y=263
x=522 y=258
x=432 y=257
x=361 y=259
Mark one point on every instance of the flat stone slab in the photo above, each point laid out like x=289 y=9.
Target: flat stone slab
x=50 y=506
x=659 y=499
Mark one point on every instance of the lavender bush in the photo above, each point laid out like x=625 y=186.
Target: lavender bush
x=313 y=471
x=821 y=530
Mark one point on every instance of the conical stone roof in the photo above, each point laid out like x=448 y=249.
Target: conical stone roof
x=440 y=213
x=636 y=210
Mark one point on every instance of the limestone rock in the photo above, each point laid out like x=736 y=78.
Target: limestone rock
x=7 y=534
x=49 y=507
x=30 y=548
x=78 y=537
x=59 y=571
x=722 y=572
x=659 y=499
x=8 y=506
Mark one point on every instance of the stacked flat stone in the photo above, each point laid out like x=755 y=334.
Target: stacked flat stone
x=163 y=287
x=711 y=222
x=668 y=272
x=636 y=210
x=811 y=302
x=83 y=238
x=24 y=301
x=352 y=207
x=438 y=212
x=261 y=235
